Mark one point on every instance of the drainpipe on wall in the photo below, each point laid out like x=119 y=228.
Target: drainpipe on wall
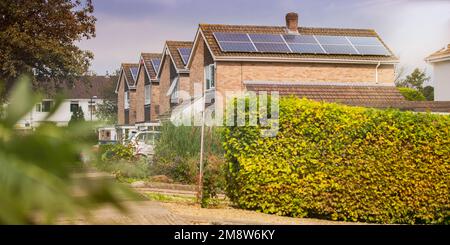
x=376 y=72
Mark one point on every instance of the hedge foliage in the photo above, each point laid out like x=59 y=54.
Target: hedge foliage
x=343 y=163
x=412 y=94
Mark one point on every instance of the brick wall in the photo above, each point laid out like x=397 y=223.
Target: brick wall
x=120 y=102
x=164 y=85
x=231 y=73
x=132 y=107
x=155 y=102
x=140 y=95
x=196 y=73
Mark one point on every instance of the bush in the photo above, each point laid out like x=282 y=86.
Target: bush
x=116 y=152
x=343 y=163
x=177 y=155
x=412 y=94
x=139 y=169
x=177 y=152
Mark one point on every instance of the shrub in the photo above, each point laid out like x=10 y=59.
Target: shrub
x=116 y=152
x=139 y=169
x=177 y=155
x=412 y=94
x=177 y=152
x=343 y=163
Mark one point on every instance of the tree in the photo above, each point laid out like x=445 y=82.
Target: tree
x=38 y=38
x=107 y=111
x=414 y=80
x=428 y=92
x=77 y=116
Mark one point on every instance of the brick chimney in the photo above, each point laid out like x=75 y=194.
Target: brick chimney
x=292 y=22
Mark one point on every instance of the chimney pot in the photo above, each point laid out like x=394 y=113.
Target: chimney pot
x=292 y=22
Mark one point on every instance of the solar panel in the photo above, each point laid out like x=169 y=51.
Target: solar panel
x=134 y=72
x=303 y=44
x=234 y=42
x=306 y=48
x=300 y=39
x=372 y=50
x=266 y=38
x=339 y=49
x=365 y=41
x=332 y=40
x=272 y=47
x=156 y=63
x=237 y=47
x=270 y=43
x=185 y=53
x=231 y=37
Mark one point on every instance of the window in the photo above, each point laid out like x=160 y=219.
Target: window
x=38 y=107
x=126 y=100
x=210 y=77
x=173 y=91
x=92 y=108
x=73 y=106
x=147 y=94
x=47 y=106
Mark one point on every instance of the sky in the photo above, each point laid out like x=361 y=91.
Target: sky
x=413 y=29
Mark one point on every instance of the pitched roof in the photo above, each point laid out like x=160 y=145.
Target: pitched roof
x=440 y=55
x=209 y=29
x=356 y=94
x=147 y=58
x=173 y=47
x=84 y=88
x=126 y=71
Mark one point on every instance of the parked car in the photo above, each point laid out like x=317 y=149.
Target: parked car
x=144 y=142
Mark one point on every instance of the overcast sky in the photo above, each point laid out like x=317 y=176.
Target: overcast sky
x=412 y=28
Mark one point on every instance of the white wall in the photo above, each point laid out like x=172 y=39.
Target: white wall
x=62 y=116
x=442 y=81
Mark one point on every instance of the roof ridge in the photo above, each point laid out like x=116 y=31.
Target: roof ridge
x=174 y=41
x=283 y=27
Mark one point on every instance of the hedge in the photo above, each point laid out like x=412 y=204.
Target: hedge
x=412 y=94
x=343 y=163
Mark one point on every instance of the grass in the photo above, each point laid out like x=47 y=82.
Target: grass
x=170 y=198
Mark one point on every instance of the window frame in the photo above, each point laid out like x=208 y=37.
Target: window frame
x=147 y=94
x=210 y=77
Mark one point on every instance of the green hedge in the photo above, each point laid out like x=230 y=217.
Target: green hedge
x=343 y=163
x=412 y=94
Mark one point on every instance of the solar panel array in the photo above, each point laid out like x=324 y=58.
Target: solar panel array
x=156 y=63
x=134 y=72
x=303 y=44
x=185 y=53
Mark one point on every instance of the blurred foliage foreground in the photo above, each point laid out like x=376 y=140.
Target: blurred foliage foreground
x=42 y=175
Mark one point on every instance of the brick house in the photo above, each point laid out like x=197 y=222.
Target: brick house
x=330 y=64
x=173 y=75
x=147 y=88
x=126 y=94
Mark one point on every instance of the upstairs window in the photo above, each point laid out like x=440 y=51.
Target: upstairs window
x=147 y=94
x=126 y=100
x=210 y=79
